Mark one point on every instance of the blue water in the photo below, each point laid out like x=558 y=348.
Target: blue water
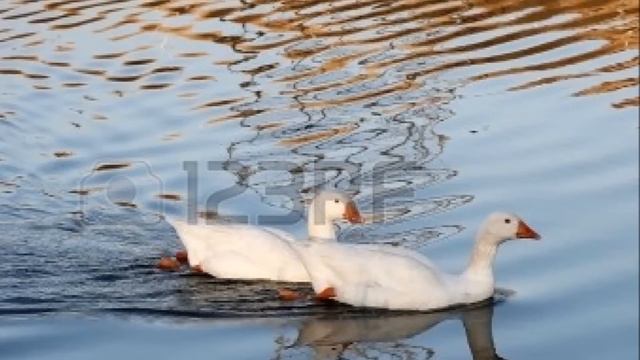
x=470 y=108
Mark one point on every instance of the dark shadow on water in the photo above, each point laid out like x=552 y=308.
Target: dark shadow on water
x=388 y=334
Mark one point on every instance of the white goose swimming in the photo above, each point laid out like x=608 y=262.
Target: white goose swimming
x=236 y=251
x=395 y=278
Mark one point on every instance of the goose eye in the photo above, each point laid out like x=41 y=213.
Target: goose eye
x=507 y=221
x=336 y=201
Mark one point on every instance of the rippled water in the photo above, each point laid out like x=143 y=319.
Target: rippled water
x=107 y=106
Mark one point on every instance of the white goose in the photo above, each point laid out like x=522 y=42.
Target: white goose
x=395 y=278
x=254 y=252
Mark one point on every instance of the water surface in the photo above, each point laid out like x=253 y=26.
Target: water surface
x=473 y=106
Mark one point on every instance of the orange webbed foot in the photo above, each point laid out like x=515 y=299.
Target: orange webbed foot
x=288 y=294
x=197 y=269
x=326 y=294
x=182 y=257
x=168 y=264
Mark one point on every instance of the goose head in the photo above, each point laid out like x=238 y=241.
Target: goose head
x=330 y=206
x=500 y=227
x=496 y=229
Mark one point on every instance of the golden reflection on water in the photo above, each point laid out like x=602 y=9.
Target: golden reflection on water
x=342 y=80
x=364 y=38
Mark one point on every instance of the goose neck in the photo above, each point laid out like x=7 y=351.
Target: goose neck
x=482 y=258
x=319 y=227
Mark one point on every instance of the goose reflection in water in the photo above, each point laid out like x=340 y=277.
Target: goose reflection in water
x=383 y=335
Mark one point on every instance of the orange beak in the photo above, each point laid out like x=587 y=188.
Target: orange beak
x=525 y=232
x=352 y=214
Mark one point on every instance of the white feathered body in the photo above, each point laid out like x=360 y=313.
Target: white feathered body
x=242 y=251
x=387 y=277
